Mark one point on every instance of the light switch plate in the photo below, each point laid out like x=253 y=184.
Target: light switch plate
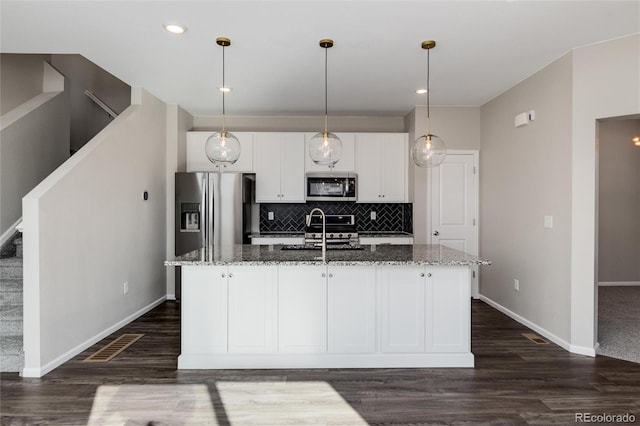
x=374 y=215
x=270 y=216
x=548 y=221
x=521 y=119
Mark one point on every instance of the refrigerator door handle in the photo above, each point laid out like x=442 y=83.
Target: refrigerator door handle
x=215 y=203
x=204 y=213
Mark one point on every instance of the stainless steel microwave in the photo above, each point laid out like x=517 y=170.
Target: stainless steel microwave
x=331 y=186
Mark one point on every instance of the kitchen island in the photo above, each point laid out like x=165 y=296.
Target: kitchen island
x=385 y=306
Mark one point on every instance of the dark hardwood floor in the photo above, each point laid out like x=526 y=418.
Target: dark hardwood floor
x=515 y=382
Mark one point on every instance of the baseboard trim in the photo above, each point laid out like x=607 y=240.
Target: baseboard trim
x=171 y=296
x=618 y=283
x=39 y=372
x=581 y=350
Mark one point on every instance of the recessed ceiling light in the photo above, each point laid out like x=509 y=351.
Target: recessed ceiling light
x=175 y=28
x=224 y=89
x=421 y=91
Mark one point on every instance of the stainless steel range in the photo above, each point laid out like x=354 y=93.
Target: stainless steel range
x=340 y=229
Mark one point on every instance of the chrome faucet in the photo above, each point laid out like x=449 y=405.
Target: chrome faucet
x=324 y=231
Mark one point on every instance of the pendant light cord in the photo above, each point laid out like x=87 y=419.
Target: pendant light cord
x=224 y=88
x=326 y=108
x=428 y=95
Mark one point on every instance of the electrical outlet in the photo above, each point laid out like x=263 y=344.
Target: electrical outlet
x=270 y=216
x=125 y=287
x=516 y=285
x=374 y=215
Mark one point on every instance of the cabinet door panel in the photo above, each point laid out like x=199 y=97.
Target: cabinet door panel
x=204 y=310
x=368 y=166
x=292 y=170
x=268 y=162
x=352 y=309
x=252 y=309
x=302 y=309
x=402 y=302
x=448 y=319
x=394 y=163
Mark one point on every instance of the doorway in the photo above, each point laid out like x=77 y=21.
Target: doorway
x=453 y=205
x=618 y=240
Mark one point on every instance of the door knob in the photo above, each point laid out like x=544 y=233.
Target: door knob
x=436 y=233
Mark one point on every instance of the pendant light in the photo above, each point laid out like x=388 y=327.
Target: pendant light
x=222 y=147
x=428 y=150
x=325 y=148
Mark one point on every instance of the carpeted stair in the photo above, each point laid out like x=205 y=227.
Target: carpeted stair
x=11 y=348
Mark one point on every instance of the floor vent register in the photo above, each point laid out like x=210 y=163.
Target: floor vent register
x=111 y=350
x=535 y=338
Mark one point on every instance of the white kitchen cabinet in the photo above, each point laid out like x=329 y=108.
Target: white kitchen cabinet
x=252 y=309
x=302 y=309
x=425 y=309
x=347 y=161
x=402 y=300
x=279 y=167
x=206 y=297
x=197 y=160
x=355 y=316
x=448 y=311
x=382 y=167
x=351 y=309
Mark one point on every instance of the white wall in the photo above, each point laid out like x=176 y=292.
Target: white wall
x=87 y=230
x=179 y=122
x=21 y=79
x=459 y=127
x=301 y=124
x=34 y=137
x=87 y=118
x=619 y=202
x=526 y=175
x=606 y=83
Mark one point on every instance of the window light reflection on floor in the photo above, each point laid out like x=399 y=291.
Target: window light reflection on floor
x=246 y=403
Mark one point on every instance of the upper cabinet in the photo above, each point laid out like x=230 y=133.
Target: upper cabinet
x=279 y=167
x=381 y=164
x=197 y=160
x=346 y=162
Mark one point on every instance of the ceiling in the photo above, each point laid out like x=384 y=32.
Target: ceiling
x=276 y=67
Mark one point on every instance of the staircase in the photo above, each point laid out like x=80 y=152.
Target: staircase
x=11 y=349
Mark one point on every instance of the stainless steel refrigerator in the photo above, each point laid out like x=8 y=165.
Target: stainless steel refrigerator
x=212 y=209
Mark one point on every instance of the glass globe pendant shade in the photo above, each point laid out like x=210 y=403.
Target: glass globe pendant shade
x=222 y=148
x=428 y=151
x=325 y=149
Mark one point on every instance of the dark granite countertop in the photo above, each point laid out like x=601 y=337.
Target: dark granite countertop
x=369 y=255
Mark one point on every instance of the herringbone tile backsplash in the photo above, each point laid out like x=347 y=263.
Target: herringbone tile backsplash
x=290 y=217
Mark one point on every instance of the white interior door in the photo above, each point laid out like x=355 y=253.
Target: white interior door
x=454 y=205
